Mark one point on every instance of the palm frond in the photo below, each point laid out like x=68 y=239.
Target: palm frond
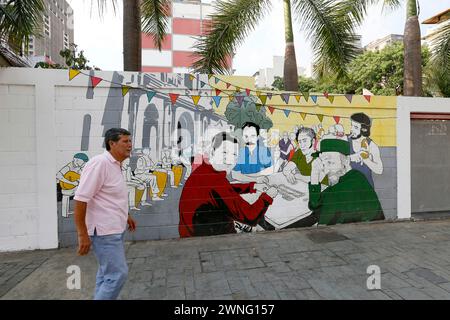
x=155 y=14
x=440 y=53
x=232 y=22
x=330 y=28
x=102 y=6
x=20 y=19
x=358 y=8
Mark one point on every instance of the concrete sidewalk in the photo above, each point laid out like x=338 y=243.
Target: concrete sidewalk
x=319 y=263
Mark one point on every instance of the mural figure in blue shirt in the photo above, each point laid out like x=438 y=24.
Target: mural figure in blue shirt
x=255 y=159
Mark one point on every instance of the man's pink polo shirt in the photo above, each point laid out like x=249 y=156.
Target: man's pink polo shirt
x=103 y=187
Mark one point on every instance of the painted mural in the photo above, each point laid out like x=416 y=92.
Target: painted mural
x=213 y=156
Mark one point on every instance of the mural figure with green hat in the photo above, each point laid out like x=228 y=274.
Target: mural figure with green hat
x=68 y=178
x=349 y=196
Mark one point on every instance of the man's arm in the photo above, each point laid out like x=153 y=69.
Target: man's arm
x=84 y=243
x=374 y=161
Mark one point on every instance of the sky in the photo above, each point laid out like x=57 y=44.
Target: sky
x=101 y=38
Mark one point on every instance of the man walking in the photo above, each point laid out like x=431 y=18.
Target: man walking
x=101 y=213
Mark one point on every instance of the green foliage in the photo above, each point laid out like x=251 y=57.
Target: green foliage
x=72 y=59
x=249 y=111
x=20 y=19
x=380 y=72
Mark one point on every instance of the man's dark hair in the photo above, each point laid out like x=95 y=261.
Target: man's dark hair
x=221 y=137
x=251 y=124
x=309 y=131
x=114 y=134
x=365 y=122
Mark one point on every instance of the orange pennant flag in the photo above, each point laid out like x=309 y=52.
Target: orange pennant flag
x=367 y=98
x=271 y=109
x=173 y=97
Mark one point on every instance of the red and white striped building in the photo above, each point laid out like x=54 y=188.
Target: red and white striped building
x=189 y=20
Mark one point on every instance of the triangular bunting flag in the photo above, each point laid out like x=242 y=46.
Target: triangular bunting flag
x=191 y=77
x=258 y=93
x=258 y=107
x=216 y=80
x=271 y=109
x=95 y=81
x=314 y=98
x=247 y=91
x=150 y=95
x=336 y=119
x=285 y=97
x=195 y=99
x=263 y=98
x=331 y=99
x=325 y=94
x=269 y=95
x=367 y=98
x=238 y=89
x=73 y=73
x=228 y=85
x=202 y=84
x=306 y=95
x=303 y=115
x=209 y=76
x=263 y=109
x=125 y=90
x=239 y=100
x=320 y=117
x=173 y=97
x=231 y=97
x=297 y=97
x=286 y=112
x=349 y=97
x=217 y=100
x=218 y=92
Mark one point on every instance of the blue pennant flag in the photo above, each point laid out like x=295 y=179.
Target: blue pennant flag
x=150 y=95
x=216 y=80
x=217 y=100
x=286 y=112
x=314 y=98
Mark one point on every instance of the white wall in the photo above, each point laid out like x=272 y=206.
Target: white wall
x=27 y=195
x=405 y=106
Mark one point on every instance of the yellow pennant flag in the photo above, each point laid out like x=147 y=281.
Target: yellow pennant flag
x=195 y=99
x=320 y=117
x=297 y=97
x=331 y=99
x=73 y=73
x=263 y=98
x=209 y=76
x=191 y=77
x=125 y=90
x=258 y=93
x=303 y=115
x=238 y=89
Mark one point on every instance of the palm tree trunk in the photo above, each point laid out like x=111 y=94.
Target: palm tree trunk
x=412 y=77
x=290 y=62
x=132 y=53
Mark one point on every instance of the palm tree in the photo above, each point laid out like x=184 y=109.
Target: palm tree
x=149 y=16
x=328 y=26
x=412 y=77
x=20 y=19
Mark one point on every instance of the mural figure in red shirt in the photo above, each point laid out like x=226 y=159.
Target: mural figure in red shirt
x=209 y=203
